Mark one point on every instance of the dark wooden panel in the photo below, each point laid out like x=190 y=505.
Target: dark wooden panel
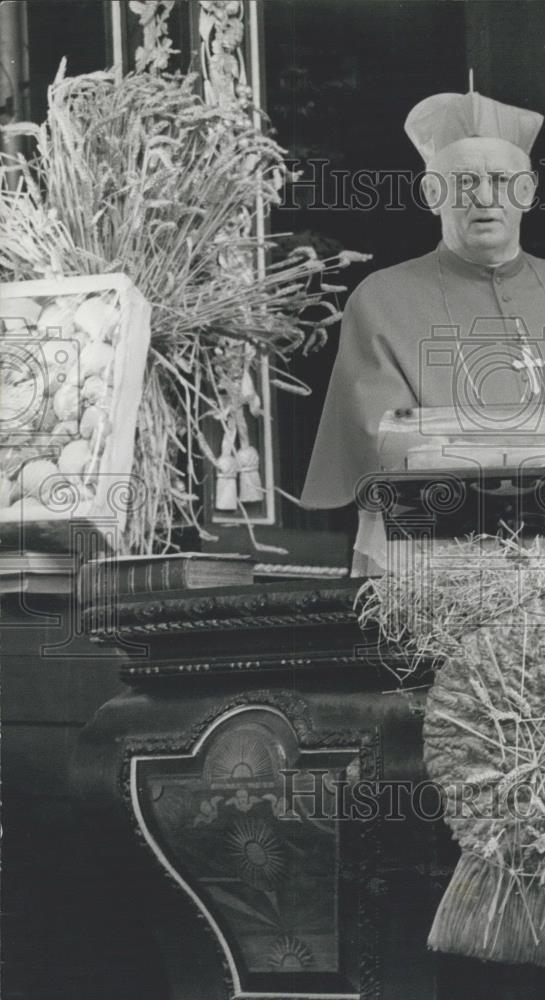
x=35 y=760
x=73 y=926
x=44 y=690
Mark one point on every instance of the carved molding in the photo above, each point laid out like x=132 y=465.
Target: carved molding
x=162 y=629
x=241 y=665
x=292 y=706
x=255 y=607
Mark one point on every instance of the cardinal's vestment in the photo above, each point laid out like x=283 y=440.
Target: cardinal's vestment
x=437 y=330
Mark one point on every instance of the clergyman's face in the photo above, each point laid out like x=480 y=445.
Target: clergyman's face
x=481 y=188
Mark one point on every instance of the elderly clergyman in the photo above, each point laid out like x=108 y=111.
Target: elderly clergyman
x=476 y=283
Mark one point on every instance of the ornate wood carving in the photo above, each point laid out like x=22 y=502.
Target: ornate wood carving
x=156 y=49
x=221 y=30
x=269 y=875
x=242 y=630
x=231 y=608
x=163 y=628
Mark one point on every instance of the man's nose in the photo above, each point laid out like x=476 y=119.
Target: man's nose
x=484 y=192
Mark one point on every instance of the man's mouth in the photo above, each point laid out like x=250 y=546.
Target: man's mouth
x=484 y=220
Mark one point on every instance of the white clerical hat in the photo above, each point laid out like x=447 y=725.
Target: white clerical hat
x=444 y=118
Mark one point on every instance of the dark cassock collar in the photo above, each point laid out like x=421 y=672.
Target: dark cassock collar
x=450 y=261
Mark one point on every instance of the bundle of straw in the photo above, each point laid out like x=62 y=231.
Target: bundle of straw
x=425 y=609
x=474 y=608
x=138 y=175
x=485 y=743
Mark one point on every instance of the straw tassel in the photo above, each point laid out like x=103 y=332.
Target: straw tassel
x=226 y=474
x=250 y=488
x=247 y=457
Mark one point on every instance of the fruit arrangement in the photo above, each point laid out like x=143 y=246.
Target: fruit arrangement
x=72 y=358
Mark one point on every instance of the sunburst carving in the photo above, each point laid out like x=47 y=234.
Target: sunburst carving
x=290 y=954
x=239 y=756
x=257 y=853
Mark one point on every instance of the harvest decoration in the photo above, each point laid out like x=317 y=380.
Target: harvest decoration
x=485 y=731
x=72 y=364
x=138 y=175
x=425 y=609
x=474 y=610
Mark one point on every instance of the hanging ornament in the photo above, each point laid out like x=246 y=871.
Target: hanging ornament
x=250 y=488
x=226 y=474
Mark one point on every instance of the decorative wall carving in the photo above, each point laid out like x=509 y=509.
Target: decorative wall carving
x=221 y=29
x=156 y=50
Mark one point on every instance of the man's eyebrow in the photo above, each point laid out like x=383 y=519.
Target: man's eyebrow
x=492 y=169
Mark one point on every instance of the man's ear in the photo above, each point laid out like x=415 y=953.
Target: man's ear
x=523 y=188
x=433 y=187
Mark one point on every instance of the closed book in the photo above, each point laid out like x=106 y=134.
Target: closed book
x=101 y=580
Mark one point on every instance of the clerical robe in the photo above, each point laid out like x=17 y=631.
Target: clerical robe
x=428 y=332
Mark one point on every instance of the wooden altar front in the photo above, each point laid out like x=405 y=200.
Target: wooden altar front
x=265 y=781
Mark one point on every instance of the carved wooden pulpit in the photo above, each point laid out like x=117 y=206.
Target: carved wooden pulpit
x=265 y=781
